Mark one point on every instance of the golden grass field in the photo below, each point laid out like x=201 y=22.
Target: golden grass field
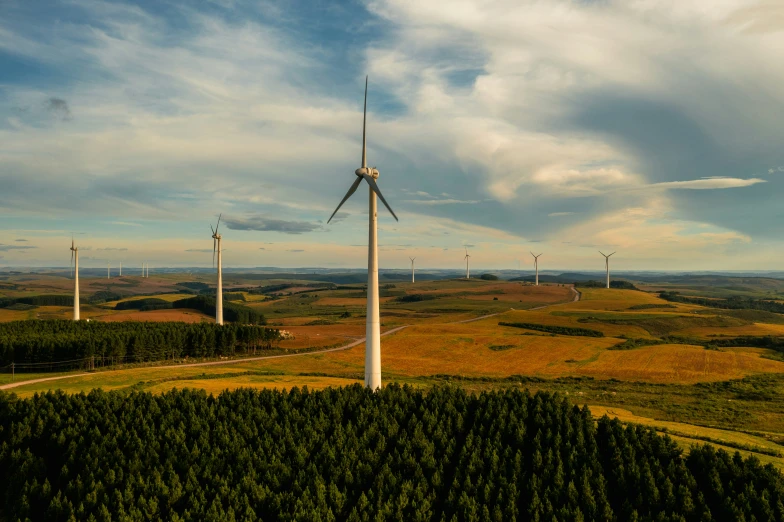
x=181 y=314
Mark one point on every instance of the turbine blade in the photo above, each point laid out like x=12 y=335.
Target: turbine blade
x=213 y=230
x=214 y=247
x=364 y=126
x=351 y=190
x=602 y=253
x=611 y=254
x=375 y=188
x=218 y=225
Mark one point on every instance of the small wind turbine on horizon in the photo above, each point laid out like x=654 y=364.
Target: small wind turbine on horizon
x=607 y=266
x=536 y=266
x=412 y=268
x=120 y=269
x=216 y=247
x=373 y=321
x=75 y=272
x=468 y=274
x=108 y=271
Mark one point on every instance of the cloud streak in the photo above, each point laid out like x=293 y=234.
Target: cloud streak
x=264 y=224
x=709 y=183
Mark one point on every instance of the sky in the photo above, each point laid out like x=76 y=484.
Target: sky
x=650 y=128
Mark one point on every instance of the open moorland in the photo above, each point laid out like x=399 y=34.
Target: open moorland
x=696 y=372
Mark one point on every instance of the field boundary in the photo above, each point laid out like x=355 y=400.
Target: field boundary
x=210 y=363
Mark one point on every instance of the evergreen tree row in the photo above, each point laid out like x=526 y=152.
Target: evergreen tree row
x=350 y=454
x=37 y=341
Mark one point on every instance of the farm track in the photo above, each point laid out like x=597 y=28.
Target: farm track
x=267 y=357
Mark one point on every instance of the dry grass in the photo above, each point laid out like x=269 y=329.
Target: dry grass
x=279 y=382
x=322 y=335
x=359 y=302
x=166 y=297
x=612 y=299
x=756 y=329
x=180 y=314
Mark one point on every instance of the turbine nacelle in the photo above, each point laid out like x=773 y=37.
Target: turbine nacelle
x=370 y=171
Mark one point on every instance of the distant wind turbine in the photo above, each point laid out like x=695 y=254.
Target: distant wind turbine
x=75 y=268
x=108 y=272
x=373 y=321
x=216 y=247
x=607 y=266
x=412 y=268
x=536 y=265
x=468 y=274
x=120 y=268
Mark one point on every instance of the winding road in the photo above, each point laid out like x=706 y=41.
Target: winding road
x=352 y=344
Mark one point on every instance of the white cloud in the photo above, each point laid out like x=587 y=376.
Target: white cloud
x=708 y=183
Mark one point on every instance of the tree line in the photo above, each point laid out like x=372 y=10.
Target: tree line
x=39 y=341
x=732 y=303
x=351 y=454
x=560 y=330
x=233 y=312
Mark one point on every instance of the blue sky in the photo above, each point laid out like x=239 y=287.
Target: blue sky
x=652 y=128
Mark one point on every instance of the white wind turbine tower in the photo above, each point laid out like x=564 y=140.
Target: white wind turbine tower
x=373 y=322
x=468 y=274
x=607 y=266
x=120 y=268
x=108 y=271
x=216 y=247
x=75 y=268
x=536 y=265
x=412 y=268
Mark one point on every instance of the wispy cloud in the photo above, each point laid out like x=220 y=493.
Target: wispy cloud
x=295 y=250
x=265 y=224
x=708 y=183
x=199 y=250
x=8 y=248
x=559 y=214
x=112 y=249
x=58 y=108
x=21 y=240
x=442 y=201
x=773 y=170
x=125 y=223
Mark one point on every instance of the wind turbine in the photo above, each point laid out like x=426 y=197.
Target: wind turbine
x=108 y=272
x=536 y=265
x=75 y=268
x=216 y=247
x=607 y=266
x=468 y=274
x=373 y=321
x=412 y=268
x=120 y=268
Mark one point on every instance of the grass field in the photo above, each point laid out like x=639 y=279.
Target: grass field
x=695 y=394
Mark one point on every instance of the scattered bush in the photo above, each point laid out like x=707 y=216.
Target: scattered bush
x=560 y=330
